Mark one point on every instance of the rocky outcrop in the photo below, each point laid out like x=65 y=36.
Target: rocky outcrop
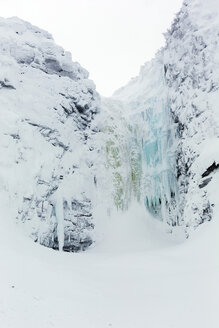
x=191 y=75
x=48 y=106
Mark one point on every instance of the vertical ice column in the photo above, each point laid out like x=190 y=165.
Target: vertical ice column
x=60 y=219
x=159 y=185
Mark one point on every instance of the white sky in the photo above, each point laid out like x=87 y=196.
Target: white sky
x=110 y=38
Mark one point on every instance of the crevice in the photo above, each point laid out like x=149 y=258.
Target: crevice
x=210 y=169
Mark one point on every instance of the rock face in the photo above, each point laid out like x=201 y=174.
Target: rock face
x=191 y=66
x=174 y=104
x=46 y=138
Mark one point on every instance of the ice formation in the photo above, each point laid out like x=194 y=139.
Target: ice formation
x=155 y=141
x=173 y=102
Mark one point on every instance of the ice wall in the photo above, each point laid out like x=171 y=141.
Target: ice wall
x=154 y=131
x=173 y=103
x=159 y=185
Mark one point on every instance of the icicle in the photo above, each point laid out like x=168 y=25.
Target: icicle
x=60 y=219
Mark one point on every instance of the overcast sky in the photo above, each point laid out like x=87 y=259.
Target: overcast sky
x=110 y=38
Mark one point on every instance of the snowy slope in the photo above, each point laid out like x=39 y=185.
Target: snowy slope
x=47 y=110
x=140 y=279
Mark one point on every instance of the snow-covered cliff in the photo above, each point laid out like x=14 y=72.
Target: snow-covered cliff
x=154 y=142
x=46 y=164
x=72 y=169
x=174 y=104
